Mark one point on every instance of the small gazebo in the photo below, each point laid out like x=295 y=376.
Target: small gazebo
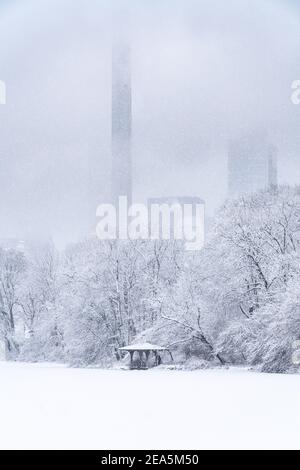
x=144 y=350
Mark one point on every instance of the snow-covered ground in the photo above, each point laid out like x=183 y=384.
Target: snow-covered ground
x=47 y=406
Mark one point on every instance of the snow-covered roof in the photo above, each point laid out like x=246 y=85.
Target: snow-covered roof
x=143 y=347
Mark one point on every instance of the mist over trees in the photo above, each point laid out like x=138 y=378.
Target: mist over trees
x=235 y=302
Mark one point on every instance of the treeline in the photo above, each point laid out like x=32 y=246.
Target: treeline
x=236 y=302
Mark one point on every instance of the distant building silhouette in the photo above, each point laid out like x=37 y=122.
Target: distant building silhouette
x=121 y=179
x=252 y=165
x=272 y=167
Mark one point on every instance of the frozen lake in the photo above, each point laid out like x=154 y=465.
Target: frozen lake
x=49 y=406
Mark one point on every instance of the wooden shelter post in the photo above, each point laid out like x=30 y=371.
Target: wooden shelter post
x=147 y=357
x=141 y=358
x=131 y=358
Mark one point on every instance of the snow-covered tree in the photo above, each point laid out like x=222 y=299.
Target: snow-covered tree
x=12 y=267
x=233 y=302
x=40 y=305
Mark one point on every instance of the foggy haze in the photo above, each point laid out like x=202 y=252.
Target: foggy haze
x=203 y=72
